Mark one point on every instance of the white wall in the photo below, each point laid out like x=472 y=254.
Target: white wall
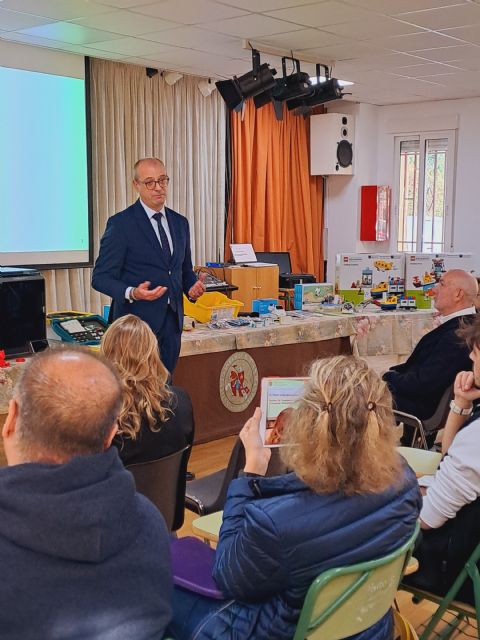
x=374 y=164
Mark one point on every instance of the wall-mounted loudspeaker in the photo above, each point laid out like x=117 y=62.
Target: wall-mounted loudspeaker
x=331 y=144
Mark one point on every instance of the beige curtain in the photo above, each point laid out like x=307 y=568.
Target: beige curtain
x=134 y=116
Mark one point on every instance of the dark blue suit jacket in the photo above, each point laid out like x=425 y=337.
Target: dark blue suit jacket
x=131 y=254
x=418 y=385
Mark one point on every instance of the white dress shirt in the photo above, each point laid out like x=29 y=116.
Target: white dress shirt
x=457 y=314
x=150 y=213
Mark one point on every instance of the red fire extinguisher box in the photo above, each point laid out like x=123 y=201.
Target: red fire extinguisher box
x=374 y=213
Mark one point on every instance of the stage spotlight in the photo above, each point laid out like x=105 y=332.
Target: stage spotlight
x=206 y=86
x=289 y=86
x=321 y=92
x=256 y=81
x=295 y=85
x=171 y=77
x=150 y=71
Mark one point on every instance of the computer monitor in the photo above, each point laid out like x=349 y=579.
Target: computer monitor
x=22 y=322
x=282 y=258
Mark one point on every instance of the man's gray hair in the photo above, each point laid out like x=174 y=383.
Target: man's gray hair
x=68 y=401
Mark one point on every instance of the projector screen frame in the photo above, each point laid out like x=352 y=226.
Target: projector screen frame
x=88 y=141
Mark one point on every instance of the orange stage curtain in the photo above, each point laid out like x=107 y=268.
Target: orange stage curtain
x=275 y=204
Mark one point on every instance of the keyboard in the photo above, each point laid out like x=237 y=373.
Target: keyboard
x=211 y=281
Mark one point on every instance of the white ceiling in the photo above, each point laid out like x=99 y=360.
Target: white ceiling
x=394 y=51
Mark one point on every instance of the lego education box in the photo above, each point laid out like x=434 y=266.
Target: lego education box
x=309 y=297
x=424 y=270
x=360 y=276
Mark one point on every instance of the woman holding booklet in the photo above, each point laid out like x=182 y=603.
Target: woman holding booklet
x=349 y=498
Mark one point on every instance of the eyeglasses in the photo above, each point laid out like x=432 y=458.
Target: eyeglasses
x=151 y=184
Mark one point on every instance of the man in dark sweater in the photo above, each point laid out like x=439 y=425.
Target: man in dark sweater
x=82 y=554
x=418 y=385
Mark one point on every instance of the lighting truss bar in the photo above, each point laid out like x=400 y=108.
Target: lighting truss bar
x=280 y=53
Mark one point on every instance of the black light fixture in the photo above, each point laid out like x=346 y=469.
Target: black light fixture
x=257 y=81
x=150 y=71
x=329 y=89
x=295 y=85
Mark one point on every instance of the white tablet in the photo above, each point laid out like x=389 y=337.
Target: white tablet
x=278 y=398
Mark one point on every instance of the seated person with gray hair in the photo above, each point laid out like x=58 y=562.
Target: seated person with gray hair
x=418 y=385
x=82 y=554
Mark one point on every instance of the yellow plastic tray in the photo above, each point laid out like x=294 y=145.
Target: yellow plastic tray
x=211 y=306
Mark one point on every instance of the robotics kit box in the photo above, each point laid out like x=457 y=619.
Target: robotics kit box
x=424 y=270
x=312 y=295
x=361 y=276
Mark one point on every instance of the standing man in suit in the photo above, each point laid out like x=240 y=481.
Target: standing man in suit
x=144 y=263
x=418 y=385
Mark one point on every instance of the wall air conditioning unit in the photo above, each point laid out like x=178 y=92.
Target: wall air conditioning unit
x=331 y=144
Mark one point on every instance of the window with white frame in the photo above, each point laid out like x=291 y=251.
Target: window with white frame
x=424 y=177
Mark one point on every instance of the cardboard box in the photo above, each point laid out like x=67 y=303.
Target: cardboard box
x=359 y=276
x=424 y=270
x=310 y=296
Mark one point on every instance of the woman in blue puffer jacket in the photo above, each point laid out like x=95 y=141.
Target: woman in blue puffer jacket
x=349 y=499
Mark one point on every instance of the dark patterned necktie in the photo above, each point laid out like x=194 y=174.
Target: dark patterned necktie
x=165 y=251
x=163 y=238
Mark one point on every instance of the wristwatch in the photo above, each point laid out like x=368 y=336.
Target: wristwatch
x=459 y=411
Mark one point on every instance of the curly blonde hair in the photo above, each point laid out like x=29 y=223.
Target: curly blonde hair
x=342 y=436
x=132 y=347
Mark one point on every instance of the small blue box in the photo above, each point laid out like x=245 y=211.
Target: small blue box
x=261 y=304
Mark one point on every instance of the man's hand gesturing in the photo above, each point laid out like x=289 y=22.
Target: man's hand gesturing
x=142 y=292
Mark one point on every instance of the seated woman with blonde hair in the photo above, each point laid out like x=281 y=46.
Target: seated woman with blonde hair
x=155 y=420
x=350 y=498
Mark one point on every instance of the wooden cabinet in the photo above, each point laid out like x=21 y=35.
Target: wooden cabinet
x=252 y=283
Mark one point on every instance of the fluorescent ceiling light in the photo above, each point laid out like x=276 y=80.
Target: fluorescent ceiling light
x=342 y=83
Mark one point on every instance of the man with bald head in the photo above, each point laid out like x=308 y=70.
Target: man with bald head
x=144 y=263
x=418 y=385
x=82 y=554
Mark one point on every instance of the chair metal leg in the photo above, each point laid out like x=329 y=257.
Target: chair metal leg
x=445 y=603
x=423 y=437
x=451 y=627
x=474 y=574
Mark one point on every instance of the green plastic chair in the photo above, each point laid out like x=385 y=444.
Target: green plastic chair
x=347 y=600
x=422 y=462
x=448 y=602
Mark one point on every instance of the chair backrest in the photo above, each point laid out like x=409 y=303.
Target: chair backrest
x=422 y=462
x=431 y=425
x=344 y=601
x=161 y=481
x=275 y=466
x=235 y=464
x=437 y=421
x=414 y=422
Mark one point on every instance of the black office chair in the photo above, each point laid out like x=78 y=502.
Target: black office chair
x=207 y=495
x=163 y=482
x=424 y=431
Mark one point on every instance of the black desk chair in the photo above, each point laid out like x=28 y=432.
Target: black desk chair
x=163 y=482
x=207 y=495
